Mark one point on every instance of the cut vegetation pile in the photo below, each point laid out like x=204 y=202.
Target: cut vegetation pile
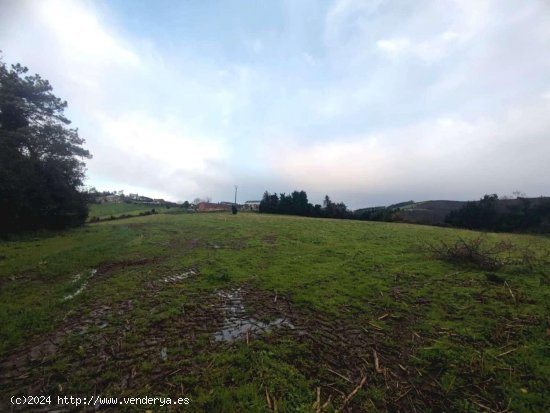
x=267 y=313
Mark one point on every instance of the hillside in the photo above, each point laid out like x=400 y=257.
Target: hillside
x=117 y=209
x=429 y=212
x=435 y=212
x=253 y=311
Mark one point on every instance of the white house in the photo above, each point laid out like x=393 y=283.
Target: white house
x=252 y=205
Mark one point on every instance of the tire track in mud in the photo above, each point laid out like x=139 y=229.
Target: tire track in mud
x=18 y=368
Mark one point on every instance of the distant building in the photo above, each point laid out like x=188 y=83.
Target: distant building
x=144 y=199
x=212 y=207
x=251 y=205
x=114 y=199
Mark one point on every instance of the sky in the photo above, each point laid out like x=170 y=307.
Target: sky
x=372 y=102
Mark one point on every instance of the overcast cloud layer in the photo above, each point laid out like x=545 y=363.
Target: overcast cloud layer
x=372 y=102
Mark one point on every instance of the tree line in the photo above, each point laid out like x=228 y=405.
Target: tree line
x=487 y=214
x=492 y=214
x=296 y=203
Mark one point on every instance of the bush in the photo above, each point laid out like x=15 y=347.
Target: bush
x=474 y=252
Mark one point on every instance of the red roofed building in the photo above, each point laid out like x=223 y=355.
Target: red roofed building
x=211 y=207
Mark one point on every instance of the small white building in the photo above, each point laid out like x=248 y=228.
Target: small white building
x=114 y=199
x=251 y=205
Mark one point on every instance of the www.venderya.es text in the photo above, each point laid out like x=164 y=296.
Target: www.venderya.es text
x=95 y=400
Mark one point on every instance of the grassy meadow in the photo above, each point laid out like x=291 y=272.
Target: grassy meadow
x=372 y=321
x=102 y=211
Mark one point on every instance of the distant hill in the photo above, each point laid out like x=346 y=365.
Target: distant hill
x=370 y=209
x=434 y=212
x=428 y=212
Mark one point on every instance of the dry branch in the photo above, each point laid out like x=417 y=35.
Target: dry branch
x=377 y=363
x=339 y=375
x=268 y=399
x=354 y=391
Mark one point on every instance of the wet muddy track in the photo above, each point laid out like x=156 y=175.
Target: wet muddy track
x=339 y=354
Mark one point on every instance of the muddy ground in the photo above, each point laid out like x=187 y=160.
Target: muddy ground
x=342 y=355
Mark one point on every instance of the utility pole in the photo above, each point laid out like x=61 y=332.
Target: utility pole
x=234 y=209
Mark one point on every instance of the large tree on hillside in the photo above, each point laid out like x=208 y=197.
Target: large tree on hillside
x=41 y=158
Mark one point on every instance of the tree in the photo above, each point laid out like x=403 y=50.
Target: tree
x=269 y=203
x=41 y=158
x=300 y=203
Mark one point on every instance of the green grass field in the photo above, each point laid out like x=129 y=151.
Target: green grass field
x=348 y=316
x=107 y=210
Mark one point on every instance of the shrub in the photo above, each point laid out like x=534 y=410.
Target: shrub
x=474 y=252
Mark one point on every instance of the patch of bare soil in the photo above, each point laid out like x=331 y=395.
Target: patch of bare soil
x=185 y=244
x=270 y=239
x=236 y=244
x=107 y=268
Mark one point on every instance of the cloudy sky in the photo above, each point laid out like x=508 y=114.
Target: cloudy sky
x=370 y=101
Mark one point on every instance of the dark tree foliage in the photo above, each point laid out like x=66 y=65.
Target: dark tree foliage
x=297 y=204
x=269 y=203
x=41 y=166
x=475 y=215
x=486 y=214
x=386 y=214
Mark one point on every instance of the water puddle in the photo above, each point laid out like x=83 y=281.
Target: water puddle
x=76 y=278
x=77 y=292
x=237 y=325
x=179 y=277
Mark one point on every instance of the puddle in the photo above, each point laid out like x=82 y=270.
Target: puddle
x=77 y=292
x=76 y=278
x=237 y=324
x=179 y=277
